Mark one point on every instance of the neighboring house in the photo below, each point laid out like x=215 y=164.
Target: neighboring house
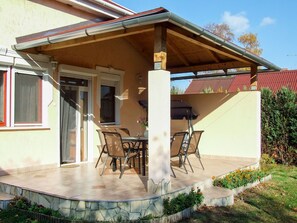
x=61 y=84
x=272 y=80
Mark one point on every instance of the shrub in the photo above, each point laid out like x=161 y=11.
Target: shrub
x=279 y=125
x=239 y=178
x=182 y=201
x=24 y=204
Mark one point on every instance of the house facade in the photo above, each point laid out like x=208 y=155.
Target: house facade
x=58 y=86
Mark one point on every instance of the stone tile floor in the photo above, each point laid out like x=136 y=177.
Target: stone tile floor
x=83 y=182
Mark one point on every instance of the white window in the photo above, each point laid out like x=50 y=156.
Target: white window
x=110 y=90
x=21 y=98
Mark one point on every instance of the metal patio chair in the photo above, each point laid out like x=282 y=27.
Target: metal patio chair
x=176 y=147
x=191 y=147
x=116 y=150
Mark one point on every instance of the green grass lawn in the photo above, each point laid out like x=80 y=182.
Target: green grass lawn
x=274 y=201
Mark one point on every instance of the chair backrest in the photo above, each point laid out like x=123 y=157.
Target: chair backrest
x=114 y=144
x=177 y=143
x=194 y=141
x=123 y=131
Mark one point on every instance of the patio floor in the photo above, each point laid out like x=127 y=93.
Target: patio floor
x=83 y=182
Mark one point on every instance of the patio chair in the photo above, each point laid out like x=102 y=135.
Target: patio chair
x=116 y=150
x=176 y=147
x=102 y=148
x=191 y=147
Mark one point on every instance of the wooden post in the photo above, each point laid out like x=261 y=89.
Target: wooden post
x=254 y=78
x=160 y=49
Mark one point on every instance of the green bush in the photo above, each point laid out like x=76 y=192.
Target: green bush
x=182 y=202
x=279 y=125
x=239 y=178
x=24 y=204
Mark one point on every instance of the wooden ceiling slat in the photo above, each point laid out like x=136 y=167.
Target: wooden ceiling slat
x=201 y=42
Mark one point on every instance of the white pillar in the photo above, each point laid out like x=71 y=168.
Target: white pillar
x=159 y=132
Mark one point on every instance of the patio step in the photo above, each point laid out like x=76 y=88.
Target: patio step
x=217 y=196
x=5 y=199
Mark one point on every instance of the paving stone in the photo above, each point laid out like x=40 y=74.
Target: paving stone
x=81 y=206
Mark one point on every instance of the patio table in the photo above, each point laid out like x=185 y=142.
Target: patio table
x=141 y=139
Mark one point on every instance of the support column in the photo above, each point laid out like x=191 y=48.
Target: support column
x=159 y=132
x=254 y=78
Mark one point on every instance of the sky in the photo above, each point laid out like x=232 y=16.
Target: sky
x=274 y=22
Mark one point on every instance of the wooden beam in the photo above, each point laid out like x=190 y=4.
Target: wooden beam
x=160 y=50
x=214 y=56
x=206 y=67
x=254 y=78
x=196 y=40
x=94 y=38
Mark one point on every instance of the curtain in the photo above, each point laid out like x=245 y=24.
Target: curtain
x=68 y=125
x=27 y=98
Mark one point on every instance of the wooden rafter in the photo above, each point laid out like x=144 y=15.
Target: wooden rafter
x=95 y=38
x=214 y=56
x=177 y=52
x=204 y=67
x=203 y=43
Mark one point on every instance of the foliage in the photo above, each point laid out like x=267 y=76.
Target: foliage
x=182 y=202
x=250 y=42
x=270 y=202
x=221 y=30
x=24 y=204
x=143 y=122
x=266 y=159
x=176 y=90
x=279 y=125
x=13 y=215
x=239 y=178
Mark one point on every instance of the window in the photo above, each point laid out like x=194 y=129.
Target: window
x=28 y=99
x=2 y=98
x=110 y=94
x=107 y=113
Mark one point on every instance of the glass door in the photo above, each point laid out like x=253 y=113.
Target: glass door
x=74 y=105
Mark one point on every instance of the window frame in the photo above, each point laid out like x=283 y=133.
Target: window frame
x=4 y=73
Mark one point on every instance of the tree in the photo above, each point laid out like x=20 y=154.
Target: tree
x=279 y=125
x=176 y=90
x=251 y=43
x=221 y=30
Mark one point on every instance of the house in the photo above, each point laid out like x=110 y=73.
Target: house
x=62 y=84
x=272 y=80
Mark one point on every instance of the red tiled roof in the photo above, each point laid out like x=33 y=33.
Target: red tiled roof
x=217 y=84
x=272 y=80
x=84 y=25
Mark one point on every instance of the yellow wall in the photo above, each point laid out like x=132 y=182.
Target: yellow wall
x=23 y=17
x=31 y=149
x=231 y=123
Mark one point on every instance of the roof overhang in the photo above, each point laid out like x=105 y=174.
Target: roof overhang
x=190 y=47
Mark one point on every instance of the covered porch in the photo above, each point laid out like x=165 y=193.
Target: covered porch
x=137 y=56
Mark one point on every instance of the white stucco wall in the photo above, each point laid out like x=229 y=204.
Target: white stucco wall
x=232 y=123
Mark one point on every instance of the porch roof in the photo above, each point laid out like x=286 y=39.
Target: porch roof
x=190 y=48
